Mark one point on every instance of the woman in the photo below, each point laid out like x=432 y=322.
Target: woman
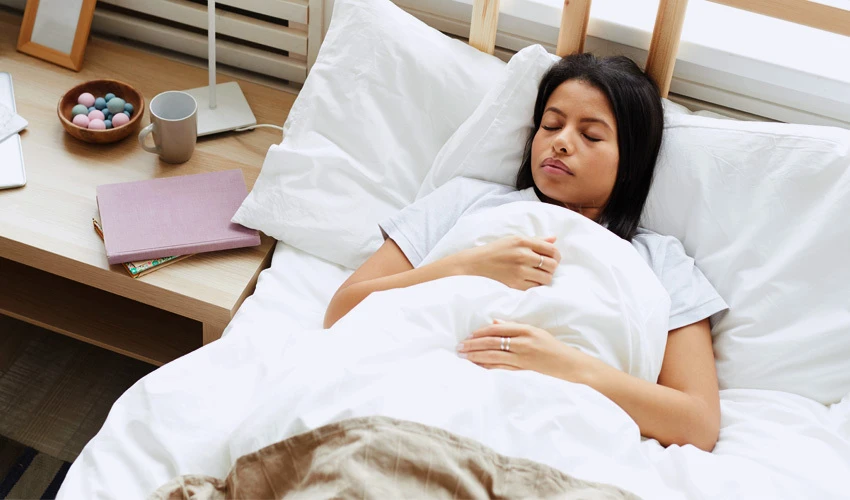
x=597 y=131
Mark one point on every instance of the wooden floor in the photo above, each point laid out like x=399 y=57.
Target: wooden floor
x=55 y=392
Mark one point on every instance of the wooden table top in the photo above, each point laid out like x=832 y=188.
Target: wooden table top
x=47 y=224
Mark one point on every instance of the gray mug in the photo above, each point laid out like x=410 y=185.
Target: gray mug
x=174 y=123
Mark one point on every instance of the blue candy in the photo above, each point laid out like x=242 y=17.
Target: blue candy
x=108 y=123
x=91 y=108
x=109 y=96
x=100 y=103
x=126 y=113
x=107 y=116
x=128 y=107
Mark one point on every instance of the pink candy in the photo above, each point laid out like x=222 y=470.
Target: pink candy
x=120 y=119
x=96 y=114
x=86 y=99
x=96 y=124
x=82 y=121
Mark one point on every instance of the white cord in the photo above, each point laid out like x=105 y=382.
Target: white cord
x=243 y=129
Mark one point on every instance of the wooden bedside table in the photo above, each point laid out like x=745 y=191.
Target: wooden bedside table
x=53 y=269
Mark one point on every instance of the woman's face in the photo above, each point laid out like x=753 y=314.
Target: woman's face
x=574 y=154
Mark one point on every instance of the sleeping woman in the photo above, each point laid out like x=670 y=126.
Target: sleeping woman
x=597 y=132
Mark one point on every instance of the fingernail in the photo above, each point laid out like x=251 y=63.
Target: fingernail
x=461 y=355
x=498 y=321
x=460 y=347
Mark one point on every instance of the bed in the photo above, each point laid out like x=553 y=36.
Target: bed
x=783 y=351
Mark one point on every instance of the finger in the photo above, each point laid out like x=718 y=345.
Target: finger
x=539 y=276
x=543 y=247
x=480 y=344
x=488 y=344
x=550 y=239
x=528 y=285
x=498 y=367
x=491 y=357
x=503 y=329
x=549 y=264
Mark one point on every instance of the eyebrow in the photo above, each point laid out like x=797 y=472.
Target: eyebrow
x=588 y=119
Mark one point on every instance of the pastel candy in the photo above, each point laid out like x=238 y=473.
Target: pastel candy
x=108 y=124
x=128 y=107
x=81 y=121
x=86 y=99
x=96 y=115
x=91 y=108
x=79 y=109
x=126 y=113
x=120 y=119
x=116 y=105
x=97 y=125
x=109 y=96
x=100 y=103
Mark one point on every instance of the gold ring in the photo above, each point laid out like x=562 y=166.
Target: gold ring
x=539 y=264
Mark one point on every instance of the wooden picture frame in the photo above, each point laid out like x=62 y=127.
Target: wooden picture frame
x=57 y=32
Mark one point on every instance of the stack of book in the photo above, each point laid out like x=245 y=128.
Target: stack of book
x=147 y=225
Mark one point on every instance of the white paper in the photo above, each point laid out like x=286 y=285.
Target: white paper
x=10 y=122
x=56 y=24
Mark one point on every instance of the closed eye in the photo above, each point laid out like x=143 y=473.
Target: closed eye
x=544 y=127
x=592 y=139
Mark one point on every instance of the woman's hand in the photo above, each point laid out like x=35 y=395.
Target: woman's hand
x=524 y=347
x=514 y=261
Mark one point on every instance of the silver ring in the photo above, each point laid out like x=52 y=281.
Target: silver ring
x=539 y=264
x=502 y=345
x=508 y=345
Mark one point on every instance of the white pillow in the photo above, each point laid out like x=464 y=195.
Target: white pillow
x=490 y=143
x=384 y=95
x=764 y=209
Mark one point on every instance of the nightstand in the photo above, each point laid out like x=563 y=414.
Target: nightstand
x=53 y=269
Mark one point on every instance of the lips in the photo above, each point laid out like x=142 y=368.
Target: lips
x=554 y=163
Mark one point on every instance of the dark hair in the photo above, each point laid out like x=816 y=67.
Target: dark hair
x=636 y=102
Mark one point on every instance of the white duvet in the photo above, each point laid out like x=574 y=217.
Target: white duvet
x=393 y=355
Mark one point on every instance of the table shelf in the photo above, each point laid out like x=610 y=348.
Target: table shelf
x=95 y=316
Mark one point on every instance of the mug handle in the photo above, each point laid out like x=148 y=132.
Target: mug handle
x=142 y=135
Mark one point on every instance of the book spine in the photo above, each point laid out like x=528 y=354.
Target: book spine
x=156 y=253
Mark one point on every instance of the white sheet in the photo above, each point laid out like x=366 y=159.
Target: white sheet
x=199 y=413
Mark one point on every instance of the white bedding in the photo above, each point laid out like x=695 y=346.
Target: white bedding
x=259 y=384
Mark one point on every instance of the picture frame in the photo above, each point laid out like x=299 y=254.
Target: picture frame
x=57 y=30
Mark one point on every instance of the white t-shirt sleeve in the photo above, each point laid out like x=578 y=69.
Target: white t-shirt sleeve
x=417 y=228
x=692 y=297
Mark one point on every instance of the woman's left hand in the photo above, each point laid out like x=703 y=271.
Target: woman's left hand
x=515 y=346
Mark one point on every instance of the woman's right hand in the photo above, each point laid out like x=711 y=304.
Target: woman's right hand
x=513 y=260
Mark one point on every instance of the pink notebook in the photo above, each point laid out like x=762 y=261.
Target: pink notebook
x=173 y=216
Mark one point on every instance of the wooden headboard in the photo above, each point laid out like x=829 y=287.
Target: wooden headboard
x=668 y=27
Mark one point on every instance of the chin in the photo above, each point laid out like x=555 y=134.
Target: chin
x=547 y=189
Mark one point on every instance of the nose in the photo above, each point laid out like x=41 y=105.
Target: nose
x=563 y=143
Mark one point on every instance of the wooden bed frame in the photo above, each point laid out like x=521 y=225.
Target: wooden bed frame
x=667 y=31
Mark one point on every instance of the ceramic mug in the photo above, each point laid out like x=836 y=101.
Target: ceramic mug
x=174 y=123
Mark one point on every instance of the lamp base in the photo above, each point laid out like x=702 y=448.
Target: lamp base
x=232 y=110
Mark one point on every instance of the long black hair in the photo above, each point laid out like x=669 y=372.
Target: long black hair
x=636 y=102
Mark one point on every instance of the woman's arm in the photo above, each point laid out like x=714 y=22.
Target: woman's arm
x=517 y=261
x=682 y=408
x=386 y=269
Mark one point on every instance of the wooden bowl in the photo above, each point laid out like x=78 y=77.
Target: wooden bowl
x=99 y=88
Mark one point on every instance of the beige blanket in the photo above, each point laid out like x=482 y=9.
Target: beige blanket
x=381 y=458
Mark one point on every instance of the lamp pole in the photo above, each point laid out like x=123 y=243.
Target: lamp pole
x=221 y=107
x=211 y=49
